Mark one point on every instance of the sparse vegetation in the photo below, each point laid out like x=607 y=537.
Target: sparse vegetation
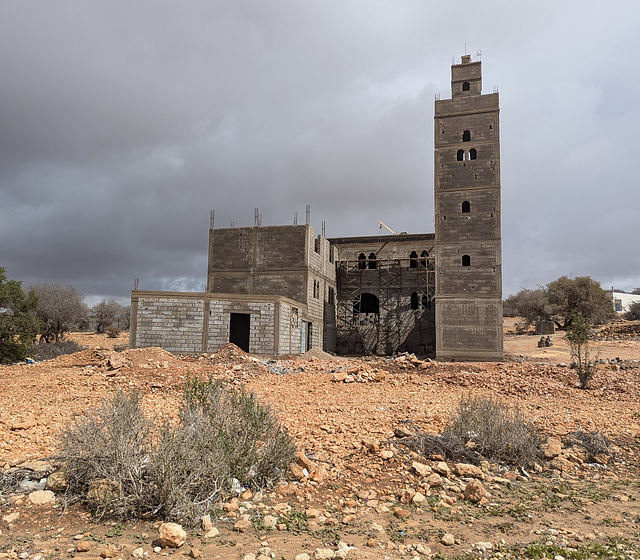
x=586 y=363
x=482 y=428
x=60 y=308
x=633 y=314
x=41 y=351
x=123 y=464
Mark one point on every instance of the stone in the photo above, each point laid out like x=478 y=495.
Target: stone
x=421 y=469
x=157 y=549
x=302 y=556
x=377 y=528
x=109 y=551
x=304 y=461
x=323 y=554
x=475 y=491
x=8 y=519
x=401 y=513
x=206 y=523
x=296 y=471
x=243 y=524
x=138 y=553
x=195 y=553
x=83 y=546
x=434 y=480
x=419 y=498
x=442 y=468
x=24 y=425
x=212 y=533
x=448 y=539
x=551 y=448
x=422 y=549
x=171 y=535
x=386 y=454
x=57 y=482
x=465 y=470
x=42 y=497
x=116 y=360
x=483 y=546
x=270 y=522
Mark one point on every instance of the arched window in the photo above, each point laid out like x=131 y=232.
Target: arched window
x=465 y=86
x=466 y=206
x=366 y=303
x=460 y=155
x=372 y=261
x=423 y=259
x=413 y=263
x=414 y=300
x=473 y=153
x=466 y=136
x=362 y=261
x=466 y=260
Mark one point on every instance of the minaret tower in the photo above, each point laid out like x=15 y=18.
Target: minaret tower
x=468 y=295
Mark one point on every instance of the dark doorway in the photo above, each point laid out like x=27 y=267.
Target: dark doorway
x=309 y=336
x=239 y=330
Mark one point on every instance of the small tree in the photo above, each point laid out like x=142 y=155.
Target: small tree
x=582 y=294
x=633 y=313
x=578 y=337
x=18 y=323
x=531 y=305
x=60 y=308
x=107 y=313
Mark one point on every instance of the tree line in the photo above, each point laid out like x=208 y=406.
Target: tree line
x=46 y=312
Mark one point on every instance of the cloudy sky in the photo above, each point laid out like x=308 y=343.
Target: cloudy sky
x=122 y=124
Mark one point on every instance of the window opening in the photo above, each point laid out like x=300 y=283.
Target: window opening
x=362 y=261
x=330 y=296
x=372 y=261
x=413 y=263
x=466 y=136
x=423 y=259
x=460 y=155
x=466 y=206
x=466 y=260
x=473 y=153
x=366 y=303
x=414 y=300
x=465 y=86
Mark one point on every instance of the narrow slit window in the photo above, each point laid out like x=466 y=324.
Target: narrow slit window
x=362 y=261
x=466 y=136
x=473 y=153
x=414 y=300
x=466 y=206
x=460 y=155
x=466 y=86
x=466 y=260
x=423 y=259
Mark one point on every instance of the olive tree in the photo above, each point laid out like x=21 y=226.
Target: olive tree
x=18 y=323
x=60 y=308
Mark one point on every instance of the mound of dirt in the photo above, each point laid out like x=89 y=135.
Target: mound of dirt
x=317 y=353
x=229 y=353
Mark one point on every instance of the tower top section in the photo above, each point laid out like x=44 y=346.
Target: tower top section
x=466 y=78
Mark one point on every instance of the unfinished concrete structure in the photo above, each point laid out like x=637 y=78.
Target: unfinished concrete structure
x=282 y=289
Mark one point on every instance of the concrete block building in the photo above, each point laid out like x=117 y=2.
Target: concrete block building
x=283 y=289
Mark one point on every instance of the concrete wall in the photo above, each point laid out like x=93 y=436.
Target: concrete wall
x=288 y=261
x=186 y=322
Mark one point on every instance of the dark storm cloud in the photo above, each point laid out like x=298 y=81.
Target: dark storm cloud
x=122 y=124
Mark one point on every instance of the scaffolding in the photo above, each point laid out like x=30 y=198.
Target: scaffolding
x=400 y=316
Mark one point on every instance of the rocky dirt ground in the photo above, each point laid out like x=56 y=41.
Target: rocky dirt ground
x=357 y=493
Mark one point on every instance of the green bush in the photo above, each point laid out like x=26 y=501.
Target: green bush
x=122 y=464
x=585 y=360
x=633 y=314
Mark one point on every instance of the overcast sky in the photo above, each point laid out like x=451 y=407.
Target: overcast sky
x=122 y=124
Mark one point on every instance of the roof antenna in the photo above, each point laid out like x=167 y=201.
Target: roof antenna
x=479 y=54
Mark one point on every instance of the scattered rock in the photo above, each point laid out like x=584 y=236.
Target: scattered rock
x=109 y=551
x=323 y=554
x=475 y=491
x=171 y=535
x=8 y=519
x=195 y=553
x=448 y=539
x=551 y=448
x=206 y=523
x=83 y=546
x=421 y=469
x=138 y=553
x=42 y=497
x=212 y=533
x=302 y=556
x=243 y=524
x=465 y=470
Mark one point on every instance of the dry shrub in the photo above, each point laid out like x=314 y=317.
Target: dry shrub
x=106 y=457
x=123 y=465
x=112 y=332
x=594 y=443
x=48 y=351
x=495 y=430
x=224 y=434
x=482 y=428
